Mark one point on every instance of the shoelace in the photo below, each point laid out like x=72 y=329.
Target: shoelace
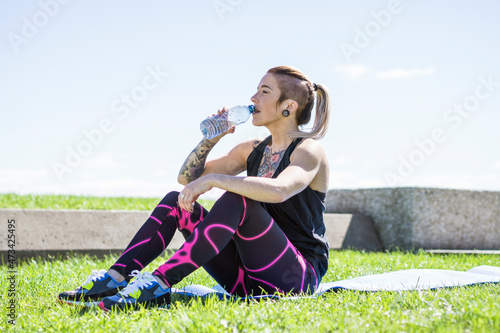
x=141 y=280
x=96 y=275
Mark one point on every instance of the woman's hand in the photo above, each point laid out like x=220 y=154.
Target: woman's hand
x=192 y=191
x=231 y=130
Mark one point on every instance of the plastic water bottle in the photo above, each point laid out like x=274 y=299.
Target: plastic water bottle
x=220 y=123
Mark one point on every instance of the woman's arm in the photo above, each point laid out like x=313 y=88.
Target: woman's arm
x=233 y=163
x=194 y=165
x=307 y=166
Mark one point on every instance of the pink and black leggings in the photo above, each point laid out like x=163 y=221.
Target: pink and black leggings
x=237 y=242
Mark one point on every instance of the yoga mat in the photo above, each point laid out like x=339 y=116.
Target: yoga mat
x=405 y=280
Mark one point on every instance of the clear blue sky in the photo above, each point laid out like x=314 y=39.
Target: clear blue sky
x=106 y=97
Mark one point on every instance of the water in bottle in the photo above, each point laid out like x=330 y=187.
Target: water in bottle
x=220 y=123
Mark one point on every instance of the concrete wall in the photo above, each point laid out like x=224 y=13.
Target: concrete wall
x=427 y=218
x=38 y=229
x=368 y=219
x=42 y=232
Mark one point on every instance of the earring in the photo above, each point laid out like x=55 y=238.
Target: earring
x=285 y=113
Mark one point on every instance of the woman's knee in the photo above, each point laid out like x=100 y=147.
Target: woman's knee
x=238 y=206
x=231 y=196
x=170 y=198
x=237 y=200
x=232 y=201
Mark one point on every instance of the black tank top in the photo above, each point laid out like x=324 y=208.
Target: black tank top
x=301 y=216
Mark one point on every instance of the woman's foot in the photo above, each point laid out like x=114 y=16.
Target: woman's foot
x=144 y=290
x=98 y=285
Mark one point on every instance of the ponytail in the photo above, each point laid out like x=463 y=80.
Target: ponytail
x=295 y=85
x=322 y=116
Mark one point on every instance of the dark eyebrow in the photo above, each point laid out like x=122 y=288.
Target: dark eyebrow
x=265 y=86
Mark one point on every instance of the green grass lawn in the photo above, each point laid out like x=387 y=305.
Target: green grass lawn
x=467 y=309
x=470 y=309
x=11 y=200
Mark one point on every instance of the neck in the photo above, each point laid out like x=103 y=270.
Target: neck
x=280 y=141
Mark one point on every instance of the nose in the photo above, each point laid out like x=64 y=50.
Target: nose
x=254 y=99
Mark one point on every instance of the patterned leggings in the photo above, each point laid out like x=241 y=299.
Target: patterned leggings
x=238 y=244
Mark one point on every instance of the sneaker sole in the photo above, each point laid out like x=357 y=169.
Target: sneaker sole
x=160 y=305
x=126 y=308
x=78 y=303
x=103 y=308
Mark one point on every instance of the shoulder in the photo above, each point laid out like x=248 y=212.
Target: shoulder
x=311 y=156
x=310 y=148
x=245 y=148
x=255 y=142
x=251 y=144
x=311 y=152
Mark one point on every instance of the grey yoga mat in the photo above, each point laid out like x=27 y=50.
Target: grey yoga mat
x=405 y=280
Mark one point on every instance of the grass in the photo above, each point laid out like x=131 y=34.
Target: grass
x=467 y=309
x=31 y=201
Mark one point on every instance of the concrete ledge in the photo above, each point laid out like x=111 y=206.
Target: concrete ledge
x=75 y=229
x=351 y=231
x=426 y=218
x=53 y=232
x=479 y=252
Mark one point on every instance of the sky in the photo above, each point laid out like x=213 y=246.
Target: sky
x=105 y=98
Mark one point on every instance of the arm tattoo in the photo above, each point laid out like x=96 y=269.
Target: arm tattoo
x=194 y=165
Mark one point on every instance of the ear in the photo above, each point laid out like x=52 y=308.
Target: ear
x=290 y=105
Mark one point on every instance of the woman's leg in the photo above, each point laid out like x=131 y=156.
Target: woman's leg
x=147 y=244
x=245 y=251
x=158 y=230
x=238 y=243
x=156 y=233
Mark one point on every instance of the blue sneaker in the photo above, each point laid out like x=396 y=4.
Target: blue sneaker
x=98 y=285
x=144 y=290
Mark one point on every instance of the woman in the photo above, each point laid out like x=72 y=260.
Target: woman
x=264 y=235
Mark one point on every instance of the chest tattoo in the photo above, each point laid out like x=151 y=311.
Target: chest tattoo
x=270 y=162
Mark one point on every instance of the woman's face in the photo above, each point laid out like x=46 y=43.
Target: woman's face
x=265 y=100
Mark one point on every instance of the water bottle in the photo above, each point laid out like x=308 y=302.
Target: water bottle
x=220 y=123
